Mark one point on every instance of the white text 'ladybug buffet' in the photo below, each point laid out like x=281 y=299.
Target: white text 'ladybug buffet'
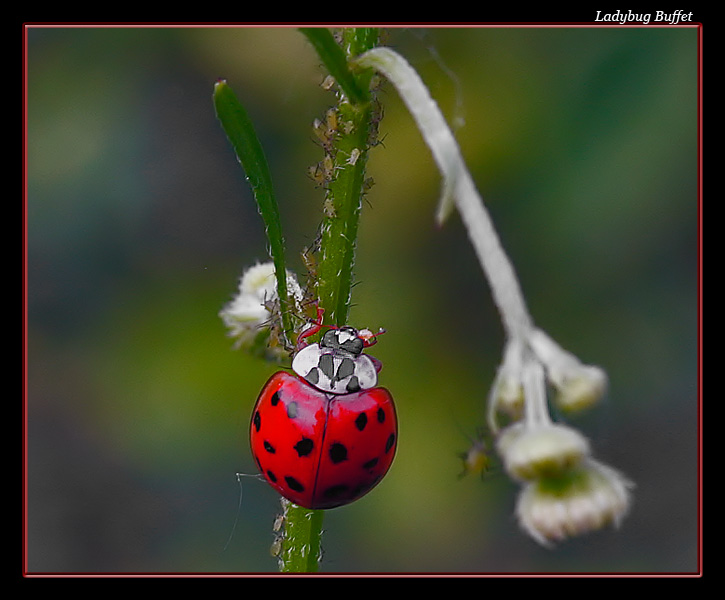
x=325 y=435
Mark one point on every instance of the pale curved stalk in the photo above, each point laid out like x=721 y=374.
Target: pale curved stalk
x=458 y=186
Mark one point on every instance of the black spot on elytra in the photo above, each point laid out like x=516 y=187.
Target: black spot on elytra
x=381 y=415
x=334 y=491
x=304 y=446
x=391 y=441
x=338 y=453
x=361 y=421
x=257 y=421
x=293 y=484
x=275 y=398
x=272 y=477
x=362 y=488
x=370 y=464
x=269 y=447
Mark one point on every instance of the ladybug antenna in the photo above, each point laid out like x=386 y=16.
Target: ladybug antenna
x=311 y=328
x=368 y=337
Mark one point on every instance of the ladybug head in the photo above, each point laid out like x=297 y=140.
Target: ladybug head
x=345 y=339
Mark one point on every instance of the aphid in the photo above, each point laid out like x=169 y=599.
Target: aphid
x=354 y=156
x=317 y=174
x=324 y=134
x=476 y=460
x=328 y=208
x=328 y=83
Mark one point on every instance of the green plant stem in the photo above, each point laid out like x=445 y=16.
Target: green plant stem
x=347 y=156
x=302 y=538
x=343 y=204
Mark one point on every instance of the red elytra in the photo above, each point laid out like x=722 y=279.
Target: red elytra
x=322 y=450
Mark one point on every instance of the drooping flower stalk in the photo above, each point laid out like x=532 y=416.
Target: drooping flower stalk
x=458 y=186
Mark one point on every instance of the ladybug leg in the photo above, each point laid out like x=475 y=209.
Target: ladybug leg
x=311 y=329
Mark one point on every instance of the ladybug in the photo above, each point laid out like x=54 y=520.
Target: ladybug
x=325 y=435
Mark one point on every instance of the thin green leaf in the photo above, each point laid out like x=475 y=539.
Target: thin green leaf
x=240 y=131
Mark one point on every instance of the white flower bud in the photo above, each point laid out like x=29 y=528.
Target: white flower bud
x=580 y=388
x=508 y=396
x=530 y=452
x=507 y=392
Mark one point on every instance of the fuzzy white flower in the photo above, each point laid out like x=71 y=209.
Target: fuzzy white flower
x=584 y=500
x=253 y=308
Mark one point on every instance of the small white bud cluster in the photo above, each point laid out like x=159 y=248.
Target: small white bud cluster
x=578 y=386
x=581 y=500
x=565 y=492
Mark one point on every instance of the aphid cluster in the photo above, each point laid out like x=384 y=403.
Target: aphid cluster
x=326 y=131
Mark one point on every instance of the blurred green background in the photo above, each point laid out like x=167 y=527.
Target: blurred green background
x=583 y=141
